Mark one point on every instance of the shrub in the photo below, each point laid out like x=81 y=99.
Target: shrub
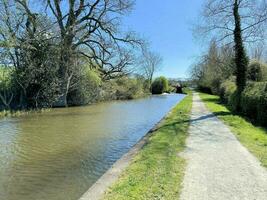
x=257 y=71
x=227 y=88
x=88 y=90
x=234 y=101
x=129 y=88
x=254 y=102
x=160 y=85
x=123 y=88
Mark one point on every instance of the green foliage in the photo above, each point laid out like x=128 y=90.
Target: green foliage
x=157 y=171
x=49 y=58
x=257 y=71
x=36 y=77
x=227 y=88
x=5 y=78
x=6 y=87
x=254 y=102
x=213 y=68
x=123 y=88
x=92 y=88
x=234 y=102
x=251 y=136
x=88 y=90
x=160 y=85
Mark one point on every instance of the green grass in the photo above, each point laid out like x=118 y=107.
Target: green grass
x=157 y=171
x=252 y=137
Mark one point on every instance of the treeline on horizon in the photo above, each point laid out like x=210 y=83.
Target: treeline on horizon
x=234 y=65
x=60 y=53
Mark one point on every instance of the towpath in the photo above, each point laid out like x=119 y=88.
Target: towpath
x=219 y=167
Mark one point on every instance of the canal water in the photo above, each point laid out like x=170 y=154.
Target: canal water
x=58 y=155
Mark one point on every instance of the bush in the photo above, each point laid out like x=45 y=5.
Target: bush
x=129 y=88
x=257 y=71
x=160 y=85
x=234 y=101
x=254 y=102
x=227 y=89
x=123 y=88
x=88 y=90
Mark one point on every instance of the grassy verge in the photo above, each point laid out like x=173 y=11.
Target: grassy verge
x=157 y=171
x=252 y=137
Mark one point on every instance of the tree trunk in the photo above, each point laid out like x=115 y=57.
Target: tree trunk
x=241 y=59
x=66 y=65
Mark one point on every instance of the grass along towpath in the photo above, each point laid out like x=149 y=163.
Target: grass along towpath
x=157 y=171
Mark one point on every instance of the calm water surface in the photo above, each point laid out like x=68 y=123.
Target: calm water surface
x=58 y=155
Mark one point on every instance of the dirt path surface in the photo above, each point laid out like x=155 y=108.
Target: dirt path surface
x=219 y=167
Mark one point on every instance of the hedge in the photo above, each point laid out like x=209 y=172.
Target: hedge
x=253 y=100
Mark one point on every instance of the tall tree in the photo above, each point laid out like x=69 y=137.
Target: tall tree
x=90 y=28
x=241 y=59
x=235 y=21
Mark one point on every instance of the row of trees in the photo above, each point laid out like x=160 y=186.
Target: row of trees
x=234 y=66
x=233 y=27
x=57 y=52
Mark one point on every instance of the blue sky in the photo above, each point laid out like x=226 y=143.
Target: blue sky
x=167 y=25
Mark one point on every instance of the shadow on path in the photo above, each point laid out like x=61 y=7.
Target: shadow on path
x=221 y=113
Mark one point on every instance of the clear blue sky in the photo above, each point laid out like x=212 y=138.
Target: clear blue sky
x=167 y=25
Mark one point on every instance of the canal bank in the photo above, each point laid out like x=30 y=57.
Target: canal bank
x=153 y=167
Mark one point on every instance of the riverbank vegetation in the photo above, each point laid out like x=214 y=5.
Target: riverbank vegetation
x=64 y=53
x=251 y=136
x=157 y=171
x=160 y=85
x=234 y=66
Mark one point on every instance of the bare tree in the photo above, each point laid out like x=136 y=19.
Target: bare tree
x=217 y=20
x=89 y=28
x=213 y=68
x=150 y=63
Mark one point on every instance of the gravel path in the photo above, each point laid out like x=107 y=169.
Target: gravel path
x=219 y=167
